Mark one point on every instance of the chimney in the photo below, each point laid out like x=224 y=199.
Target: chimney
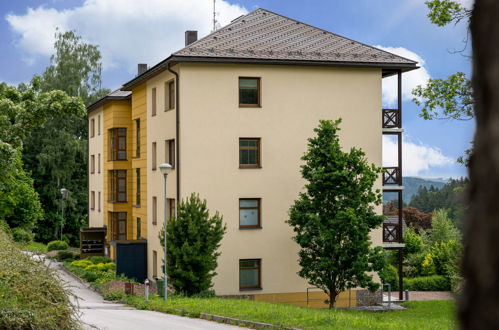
x=190 y=37
x=141 y=68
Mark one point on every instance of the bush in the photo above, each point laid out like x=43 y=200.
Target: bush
x=21 y=235
x=65 y=255
x=98 y=260
x=31 y=295
x=413 y=242
x=427 y=283
x=57 y=245
x=389 y=275
x=81 y=263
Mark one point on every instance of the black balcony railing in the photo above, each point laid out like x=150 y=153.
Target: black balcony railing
x=391 y=118
x=391 y=232
x=391 y=175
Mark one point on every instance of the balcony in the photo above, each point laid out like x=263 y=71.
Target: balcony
x=391 y=175
x=391 y=118
x=391 y=232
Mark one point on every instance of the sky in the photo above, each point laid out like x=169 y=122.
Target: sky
x=147 y=31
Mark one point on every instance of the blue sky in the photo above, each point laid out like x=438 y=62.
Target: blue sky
x=130 y=31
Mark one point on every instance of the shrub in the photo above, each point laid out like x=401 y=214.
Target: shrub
x=21 y=235
x=98 y=260
x=413 y=242
x=428 y=265
x=427 y=283
x=65 y=255
x=389 y=275
x=81 y=263
x=57 y=245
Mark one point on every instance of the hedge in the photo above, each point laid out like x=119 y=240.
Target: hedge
x=427 y=283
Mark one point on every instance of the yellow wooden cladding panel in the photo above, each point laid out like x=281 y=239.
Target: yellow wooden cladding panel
x=316 y=299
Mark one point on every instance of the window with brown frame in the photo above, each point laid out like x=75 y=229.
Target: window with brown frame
x=170 y=95
x=153 y=156
x=117 y=186
x=92 y=127
x=153 y=102
x=249 y=92
x=92 y=200
x=117 y=144
x=118 y=225
x=92 y=164
x=154 y=211
x=154 y=264
x=137 y=187
x=170 y=152
x=98 y=202
x=139 y=228
x=137 y=138
x=98 y=163
x=249 y=153
x=171 y=208
x=250 y=213
x=250 y=274
x=98 y=125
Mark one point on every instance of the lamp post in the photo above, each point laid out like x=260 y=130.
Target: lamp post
x=64 y=195
x=165 y=169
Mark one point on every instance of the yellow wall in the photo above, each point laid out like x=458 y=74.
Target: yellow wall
x=316 y=299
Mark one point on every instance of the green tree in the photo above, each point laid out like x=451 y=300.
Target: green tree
x=56 y=152
x=192 y=250
x=334 y=217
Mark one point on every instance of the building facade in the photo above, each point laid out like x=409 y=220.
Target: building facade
x=232 y=113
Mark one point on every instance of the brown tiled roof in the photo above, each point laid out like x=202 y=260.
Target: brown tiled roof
x=265 y=35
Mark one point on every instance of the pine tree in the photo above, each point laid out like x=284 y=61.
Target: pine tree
x=193 y=240
x=335 y=215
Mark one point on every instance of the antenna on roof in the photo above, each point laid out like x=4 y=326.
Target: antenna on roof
x=215 y=22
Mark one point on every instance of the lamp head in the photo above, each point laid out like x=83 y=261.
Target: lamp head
x=64 y=193
x=165 y=168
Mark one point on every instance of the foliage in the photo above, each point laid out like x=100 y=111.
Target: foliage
x=31 y=296
x=56 y=152
x=389 y=274
x=333 y=218
x=21 y=235
x=450 y=197
x=427 y=283
x=192 y=250
x=416 y=219
x=443 y=12
x=57 y=245
x=413 y=242
x=96 y=273
x=443 y=230
x=66 y=255
x=36 y=247
x=99 y=259
x=418 y=315
x=450 y=98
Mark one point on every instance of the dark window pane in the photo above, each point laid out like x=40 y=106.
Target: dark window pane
x=248 y=96
x=248 y=82
x=248 y=263
x=248 y=203
x=249 y=278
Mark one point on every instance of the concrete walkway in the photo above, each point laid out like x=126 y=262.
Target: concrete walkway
x=96 y=313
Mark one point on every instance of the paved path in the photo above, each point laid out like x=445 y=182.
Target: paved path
x=96 y=313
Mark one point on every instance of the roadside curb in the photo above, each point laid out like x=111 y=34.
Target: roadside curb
x=242 y=323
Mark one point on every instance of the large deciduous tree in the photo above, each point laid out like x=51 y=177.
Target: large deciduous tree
x=334 y=216
x=56 y=152
x=479 y=305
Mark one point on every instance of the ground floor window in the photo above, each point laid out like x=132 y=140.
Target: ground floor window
x=118 y=225
x=154 y=264
x=250 y=272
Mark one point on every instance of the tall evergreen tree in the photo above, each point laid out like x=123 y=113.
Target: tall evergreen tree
x=56 y=152
x=335 y=215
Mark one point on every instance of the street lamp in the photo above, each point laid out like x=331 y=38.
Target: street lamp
x=165 y=169
x=64 y=195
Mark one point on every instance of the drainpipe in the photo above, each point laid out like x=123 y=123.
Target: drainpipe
x=177 y=138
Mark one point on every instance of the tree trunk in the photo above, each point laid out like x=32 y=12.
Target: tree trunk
x=479 y=304
x=332 y=298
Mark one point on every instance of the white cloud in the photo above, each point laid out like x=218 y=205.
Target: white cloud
x=417 y=158
x=409 y=79
x=127 y=31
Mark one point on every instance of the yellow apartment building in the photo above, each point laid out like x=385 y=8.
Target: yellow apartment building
x=231 y=113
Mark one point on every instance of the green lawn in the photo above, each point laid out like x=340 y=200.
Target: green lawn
x=32 y=246
x=419 y=314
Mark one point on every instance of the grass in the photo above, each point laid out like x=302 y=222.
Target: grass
x=32 y=246
x=418 y=315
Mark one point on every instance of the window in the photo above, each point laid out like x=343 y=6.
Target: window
x=139 y=229
x=92 y=200
x=92 y=164
x=92 y=127
x=137 y=188
x=98 y=202
x=98 y=163
x=250 y=274
x=153 y=153
x=170 y=152
x=249 y=152
x=171 y=208
x=118 y=225
x=169 y=95
x=117 y=144
x=154 y=264
x=154 y=211
x=249 y=213
x=137 y=138
x=98 y=125
x=249 y=92
x=153 y=101
x=117 y=186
